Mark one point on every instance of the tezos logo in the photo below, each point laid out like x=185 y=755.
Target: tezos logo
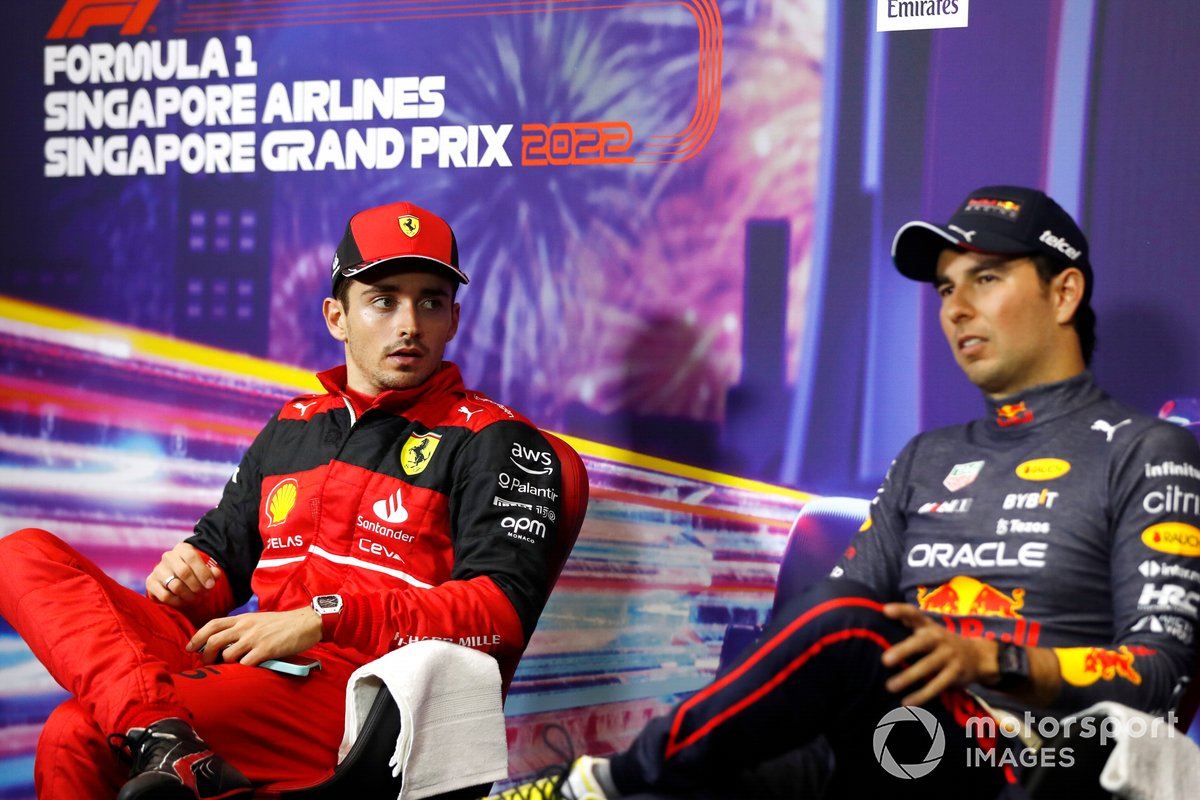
x=937 y=742
x=521 y=455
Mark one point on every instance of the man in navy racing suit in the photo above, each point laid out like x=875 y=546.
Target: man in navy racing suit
x=1042 y=558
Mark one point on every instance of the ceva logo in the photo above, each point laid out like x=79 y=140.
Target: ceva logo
x=79 y=16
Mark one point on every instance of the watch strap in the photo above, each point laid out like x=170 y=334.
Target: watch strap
x=1013 y=663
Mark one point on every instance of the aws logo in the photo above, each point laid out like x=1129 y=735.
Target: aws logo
x=531 y=459
x=77 y=17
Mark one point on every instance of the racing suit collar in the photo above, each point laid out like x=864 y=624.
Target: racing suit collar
x=1041 y=404
x=446 y=380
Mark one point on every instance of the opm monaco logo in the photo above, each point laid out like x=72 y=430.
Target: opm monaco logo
x=77 y=17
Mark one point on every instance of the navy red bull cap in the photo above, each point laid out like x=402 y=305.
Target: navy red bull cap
x=995 y=219
x=398 y=231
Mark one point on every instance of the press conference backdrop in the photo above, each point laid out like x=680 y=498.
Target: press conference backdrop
x=676 y=218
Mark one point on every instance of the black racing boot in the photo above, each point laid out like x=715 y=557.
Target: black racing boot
x=170 y=762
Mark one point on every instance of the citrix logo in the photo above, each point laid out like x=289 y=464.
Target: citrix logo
x=77 y=17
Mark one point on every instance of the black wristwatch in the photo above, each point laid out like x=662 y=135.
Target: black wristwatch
x=1013 y=661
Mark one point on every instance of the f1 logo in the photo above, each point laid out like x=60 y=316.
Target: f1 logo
x=78 y=16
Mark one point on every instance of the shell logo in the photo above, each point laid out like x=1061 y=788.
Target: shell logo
x=1177 y=538
x=280 y=501
x=1043 y=469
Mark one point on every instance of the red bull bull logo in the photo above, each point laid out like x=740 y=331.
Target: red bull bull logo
x=1083 y=666
x=966 y=596
x=1013 y=414
x=991 y=602
x=1004 y=208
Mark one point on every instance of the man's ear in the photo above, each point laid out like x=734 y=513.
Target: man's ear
x=335 y=318
x=453 y=321
x=1067 y=287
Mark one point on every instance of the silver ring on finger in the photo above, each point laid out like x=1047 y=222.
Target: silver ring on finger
x=167 y=583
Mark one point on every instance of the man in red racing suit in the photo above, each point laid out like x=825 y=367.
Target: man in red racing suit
x=397 y=506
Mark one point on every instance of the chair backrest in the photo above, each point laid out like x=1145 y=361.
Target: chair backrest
x=818 y=537
x=574 y=503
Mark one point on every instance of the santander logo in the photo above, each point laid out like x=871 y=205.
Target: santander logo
x=391 y=509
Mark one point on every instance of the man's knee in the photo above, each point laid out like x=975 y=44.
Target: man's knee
x=33 y=543
x=67 y=724
x=837 y=603
x=74 y=757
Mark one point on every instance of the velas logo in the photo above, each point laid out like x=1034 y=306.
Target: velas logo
x=931 y=729
x=1176 y=538
x=417 y=451
x=410 y=226
x=1083 y=666
x=1013 y=414
x=966 y=596
x=280 y=501
x=1042 y=469
x=77 y=17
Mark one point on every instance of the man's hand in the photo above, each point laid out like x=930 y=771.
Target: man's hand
x=938 y=659
x=253 y=638
x=181 y=575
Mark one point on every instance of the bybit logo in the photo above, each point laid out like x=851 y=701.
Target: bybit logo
x=79 y=16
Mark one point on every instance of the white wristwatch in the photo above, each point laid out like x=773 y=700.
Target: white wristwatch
x=329 y=607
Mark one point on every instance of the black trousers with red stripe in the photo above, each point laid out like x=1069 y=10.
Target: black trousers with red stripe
x=815 y=671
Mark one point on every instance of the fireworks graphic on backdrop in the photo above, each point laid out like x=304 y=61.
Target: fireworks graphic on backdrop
x=616 y=288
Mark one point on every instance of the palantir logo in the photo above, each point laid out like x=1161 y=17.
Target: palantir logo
x=937 y=742
x=78 y=16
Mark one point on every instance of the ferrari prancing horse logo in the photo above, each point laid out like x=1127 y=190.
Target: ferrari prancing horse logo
x=409 y=225
x=417 y=452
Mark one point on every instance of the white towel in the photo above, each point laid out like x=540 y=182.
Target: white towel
x=1151 y=760
x=451 y=716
